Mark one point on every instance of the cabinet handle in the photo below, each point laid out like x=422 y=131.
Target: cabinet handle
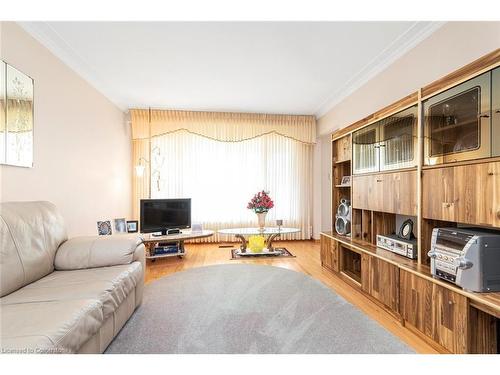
x=446 y=204
x=497 y=111
x=490 y=173
x=450 y=302
x=484 y=116
x=379 y=180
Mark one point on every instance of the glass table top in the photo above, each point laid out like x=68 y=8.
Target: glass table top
x=256 y=231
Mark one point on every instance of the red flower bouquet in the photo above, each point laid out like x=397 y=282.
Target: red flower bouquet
x=261 y=202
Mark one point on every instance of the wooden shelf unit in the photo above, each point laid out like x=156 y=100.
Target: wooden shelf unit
x=447 y=195
x=341 y=167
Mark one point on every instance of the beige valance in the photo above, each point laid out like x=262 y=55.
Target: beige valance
x=221 y=126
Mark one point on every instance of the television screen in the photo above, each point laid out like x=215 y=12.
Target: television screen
x=158 y=215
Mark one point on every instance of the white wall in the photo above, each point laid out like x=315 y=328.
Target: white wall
x=322 y=168
x=449 y=48
x=82 y=146
x=452 y=46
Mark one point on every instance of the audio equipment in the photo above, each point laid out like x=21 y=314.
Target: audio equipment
x=468 y=257
x=401 y=246
x=343 y=217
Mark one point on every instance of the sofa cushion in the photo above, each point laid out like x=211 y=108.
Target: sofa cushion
x=96 y=251
x=49 y=326
x=30 y=233
x=107 y=285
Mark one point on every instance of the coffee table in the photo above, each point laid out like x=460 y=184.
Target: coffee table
x=272 y=234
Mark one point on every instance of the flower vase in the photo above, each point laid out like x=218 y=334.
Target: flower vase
x=261 y=217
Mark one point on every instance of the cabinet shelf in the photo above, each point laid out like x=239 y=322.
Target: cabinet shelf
x=350 y=263
x=371 y=249
x=354 y=277
x=454 y=126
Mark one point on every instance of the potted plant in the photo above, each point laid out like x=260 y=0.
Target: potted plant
x=261 y=203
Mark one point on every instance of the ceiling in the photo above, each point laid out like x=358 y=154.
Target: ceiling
x=265 y=67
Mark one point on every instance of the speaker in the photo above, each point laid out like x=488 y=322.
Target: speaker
x=343 y=217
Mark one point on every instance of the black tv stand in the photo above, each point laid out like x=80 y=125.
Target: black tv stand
x=166 y=232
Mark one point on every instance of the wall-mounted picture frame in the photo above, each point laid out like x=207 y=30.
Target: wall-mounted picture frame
x=120 y=225
x=132 y=226
x=346 y=180
x=16 y=117
x=104 y=228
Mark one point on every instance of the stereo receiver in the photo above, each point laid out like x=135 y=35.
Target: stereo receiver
x=392 y=242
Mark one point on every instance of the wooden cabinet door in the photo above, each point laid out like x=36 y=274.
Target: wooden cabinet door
x=438 y=199
x=403 y=191
x=489 y=194
x=388 y=192
x=343 y=148
x=360 y=192
x=466 y=194
x=477 y=194
x=436 y=311
x=334 y=255
x=326 y=253
x=380 y=279
x=376 y=195
x=329 y=253
x=451 y=312
x=367 y=192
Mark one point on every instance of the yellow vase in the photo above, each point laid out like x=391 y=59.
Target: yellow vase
x=256 y=244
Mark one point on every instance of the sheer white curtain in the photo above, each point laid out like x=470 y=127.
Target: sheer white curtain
x=221 y=177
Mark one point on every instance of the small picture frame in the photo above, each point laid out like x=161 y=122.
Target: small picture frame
x=120 y=225
x=346 y=180
x=132 y=226
x=196 y=228
x=104 y=228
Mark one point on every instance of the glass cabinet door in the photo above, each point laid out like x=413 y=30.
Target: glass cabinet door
x=398 y=140
x=495 y=107
x=366 y=148
x=457 y=122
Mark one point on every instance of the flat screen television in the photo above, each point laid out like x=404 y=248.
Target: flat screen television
x=162 y=215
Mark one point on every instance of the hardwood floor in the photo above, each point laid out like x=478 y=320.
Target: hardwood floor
x=307 y=261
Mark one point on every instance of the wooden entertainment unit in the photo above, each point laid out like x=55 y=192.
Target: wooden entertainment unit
x=397 y=172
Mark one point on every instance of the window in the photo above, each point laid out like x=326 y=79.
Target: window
x=221 y=177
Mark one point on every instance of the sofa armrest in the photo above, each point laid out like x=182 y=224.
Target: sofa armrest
x=98 y=251
x=140 y=256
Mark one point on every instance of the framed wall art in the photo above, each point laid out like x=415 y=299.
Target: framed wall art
x=16 y=117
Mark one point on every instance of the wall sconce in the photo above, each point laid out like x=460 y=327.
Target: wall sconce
x=141 y=163
x=141 y=167
x=155 y=174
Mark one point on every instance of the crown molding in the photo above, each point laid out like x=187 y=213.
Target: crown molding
x=416 y=33
x=404 y=43
x=51 y=40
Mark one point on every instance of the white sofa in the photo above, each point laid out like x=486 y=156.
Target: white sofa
x=61 y=295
